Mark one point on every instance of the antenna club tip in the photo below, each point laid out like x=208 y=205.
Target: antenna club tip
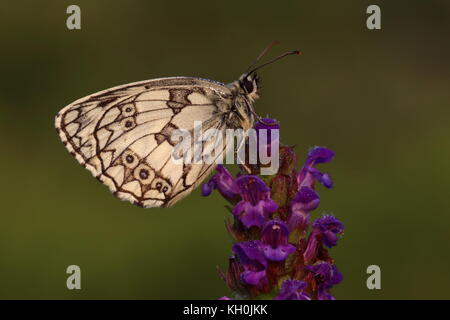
x=299 y=53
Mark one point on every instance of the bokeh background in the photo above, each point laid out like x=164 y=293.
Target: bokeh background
x=380 y=99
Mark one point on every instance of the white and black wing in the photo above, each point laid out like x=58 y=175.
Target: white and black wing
x=122 y=135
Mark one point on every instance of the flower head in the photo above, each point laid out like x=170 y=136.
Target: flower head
x=224 y=182
x=252 y=259
x=256 y=205
x=293 y=290
x=274 y=244
x=330 y=228
x=274 y=241
x=327 y=275
x=308 y=174
x=304 y=201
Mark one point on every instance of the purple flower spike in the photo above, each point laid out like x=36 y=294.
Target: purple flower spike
x=224 y=182
x=330 y=228
x=274 y=241
x=292 y=290
x=326 y=274
x=276 y=245
x=304 y=201
x=256 y=205
x=308 y=175
x=252 y=259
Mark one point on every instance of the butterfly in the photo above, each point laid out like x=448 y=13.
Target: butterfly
x=123 y=135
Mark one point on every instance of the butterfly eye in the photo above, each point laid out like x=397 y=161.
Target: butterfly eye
x=248 y=85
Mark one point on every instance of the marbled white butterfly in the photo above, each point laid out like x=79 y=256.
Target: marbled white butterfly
x=122 y=135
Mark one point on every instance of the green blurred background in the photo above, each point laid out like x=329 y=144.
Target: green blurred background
x=380 y=99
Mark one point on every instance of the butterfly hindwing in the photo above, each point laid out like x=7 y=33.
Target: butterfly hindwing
x=122 y=135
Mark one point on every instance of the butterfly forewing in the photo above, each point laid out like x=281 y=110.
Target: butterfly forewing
x=123 y=135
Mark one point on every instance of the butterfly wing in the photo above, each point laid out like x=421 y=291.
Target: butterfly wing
x=122 y=135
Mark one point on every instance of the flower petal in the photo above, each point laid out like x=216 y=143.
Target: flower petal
x=253 y=215
x=320 y=155
x=252 y=188
x=240 y=207
x=292 y=290
x=323 y=178
x=226 y=183
x=326 y=274
x=279 y=253
x=330 y=228
x=269 y=206
x=249 y=254
x=207 y=188
x=308 y=198
x=253 y=278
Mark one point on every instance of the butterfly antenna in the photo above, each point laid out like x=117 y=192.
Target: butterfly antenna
x=263 y=53
x=296 y=52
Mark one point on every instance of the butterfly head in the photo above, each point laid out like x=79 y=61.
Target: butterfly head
x=249 y=85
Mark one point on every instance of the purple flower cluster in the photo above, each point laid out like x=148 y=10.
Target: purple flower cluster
x=276 y=248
